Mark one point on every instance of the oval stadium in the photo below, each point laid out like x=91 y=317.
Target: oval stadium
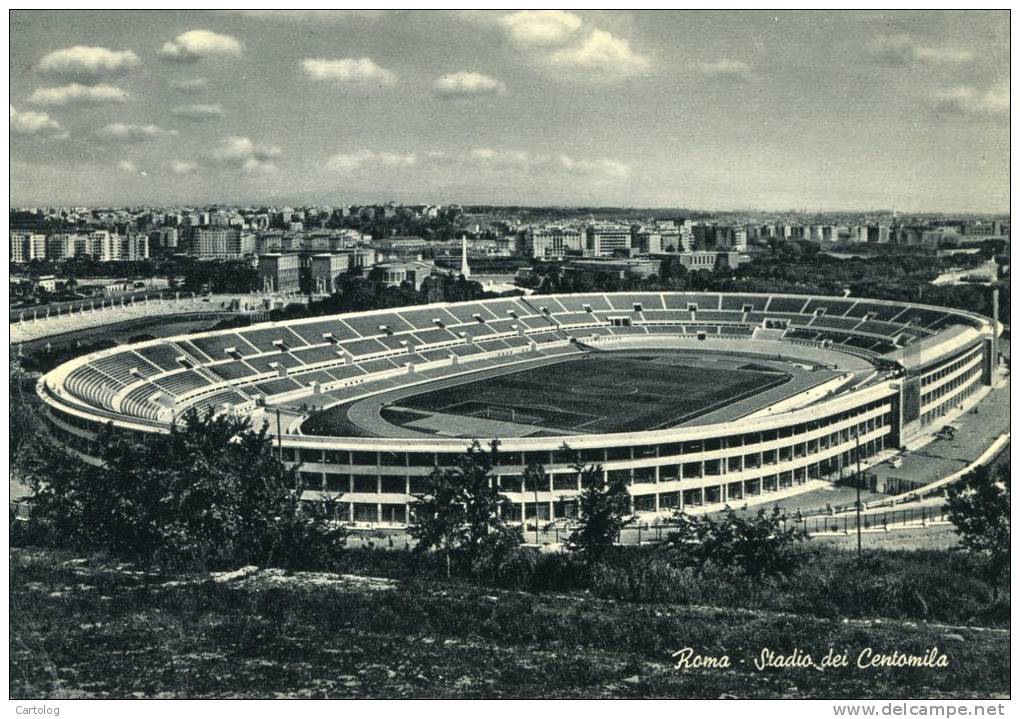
x=698 y=400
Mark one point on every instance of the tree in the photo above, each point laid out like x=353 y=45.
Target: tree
x=978 y=506
x=761 y=545
x=210 y=494
x=535 y=480
x=460 y=513
x=603 y=510
x=24 y=423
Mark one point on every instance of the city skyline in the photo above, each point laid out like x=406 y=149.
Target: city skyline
x=724 y=110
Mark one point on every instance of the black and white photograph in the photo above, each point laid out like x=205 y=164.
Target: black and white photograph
x=530 y=353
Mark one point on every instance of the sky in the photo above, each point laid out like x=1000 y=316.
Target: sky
x=725 y=110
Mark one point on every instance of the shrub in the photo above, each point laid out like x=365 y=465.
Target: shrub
x=210 y=494
x=761 y=545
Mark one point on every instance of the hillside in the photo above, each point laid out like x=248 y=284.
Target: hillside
x=91 y=628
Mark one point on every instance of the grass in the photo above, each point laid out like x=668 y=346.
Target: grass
x=920 y=538
x=88 y=628
x=603 y=394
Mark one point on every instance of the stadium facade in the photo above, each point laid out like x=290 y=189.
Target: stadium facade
x=922 y=362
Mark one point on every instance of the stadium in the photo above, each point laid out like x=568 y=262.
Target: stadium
x=697 y=400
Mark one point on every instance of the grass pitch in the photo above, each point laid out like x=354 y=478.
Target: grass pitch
x=600 y=394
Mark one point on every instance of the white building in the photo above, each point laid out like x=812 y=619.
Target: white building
x=552 y=242
x=26 y=246
x=603 y=240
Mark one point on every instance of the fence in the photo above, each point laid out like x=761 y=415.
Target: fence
x=844 y=523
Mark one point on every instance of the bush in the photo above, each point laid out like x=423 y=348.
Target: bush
x=210 y=494
x=761 y=545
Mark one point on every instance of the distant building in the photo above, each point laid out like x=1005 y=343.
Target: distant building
x=165 y=239
x=709 y=260
x=267 y=242
x=27 y=246
x=940 y=235
x=646 y=242
x=672 y=240
x=279 y=273
x=102 y=246
x=859 y=234
x=605 y=240
x=401 y=242
x=621 y=268
x=325 y=269
x=552 y=243
x=362 y=257
x=133 y=247
x=824 y=233
x=740 y=239
x=878 y=234
x=218 y=242
x=45 y=282
x=394 y=274
x=61 y=246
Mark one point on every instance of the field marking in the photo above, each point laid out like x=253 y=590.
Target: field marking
x=579 y=389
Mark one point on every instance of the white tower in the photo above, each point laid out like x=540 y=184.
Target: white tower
x=464 y=269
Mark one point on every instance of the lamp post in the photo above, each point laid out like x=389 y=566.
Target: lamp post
x=534 y=472
x=279 y=435
x=858 y=483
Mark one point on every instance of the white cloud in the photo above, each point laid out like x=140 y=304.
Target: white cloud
x=194 y=45
x=348 y=162
x=970 y=101
x=466 y=84
x=601 y=52
x=128 y=166
x=76 y=94
x=183 y=167
x=394 y=159
x=902 y=50
x=198 y=113
x=37 y=124
x=487 y=157
x=191 y=85
x=243 y=154
x=727 y=69
x=540 y=28
x=504 y=162
x=570 y=47
x=348 y=71
x=123 y=132
x=602 y=168
x=87 y=64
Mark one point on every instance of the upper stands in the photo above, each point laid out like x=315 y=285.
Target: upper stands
x=162 y=378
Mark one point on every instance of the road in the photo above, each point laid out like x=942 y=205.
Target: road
x=942 y=457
